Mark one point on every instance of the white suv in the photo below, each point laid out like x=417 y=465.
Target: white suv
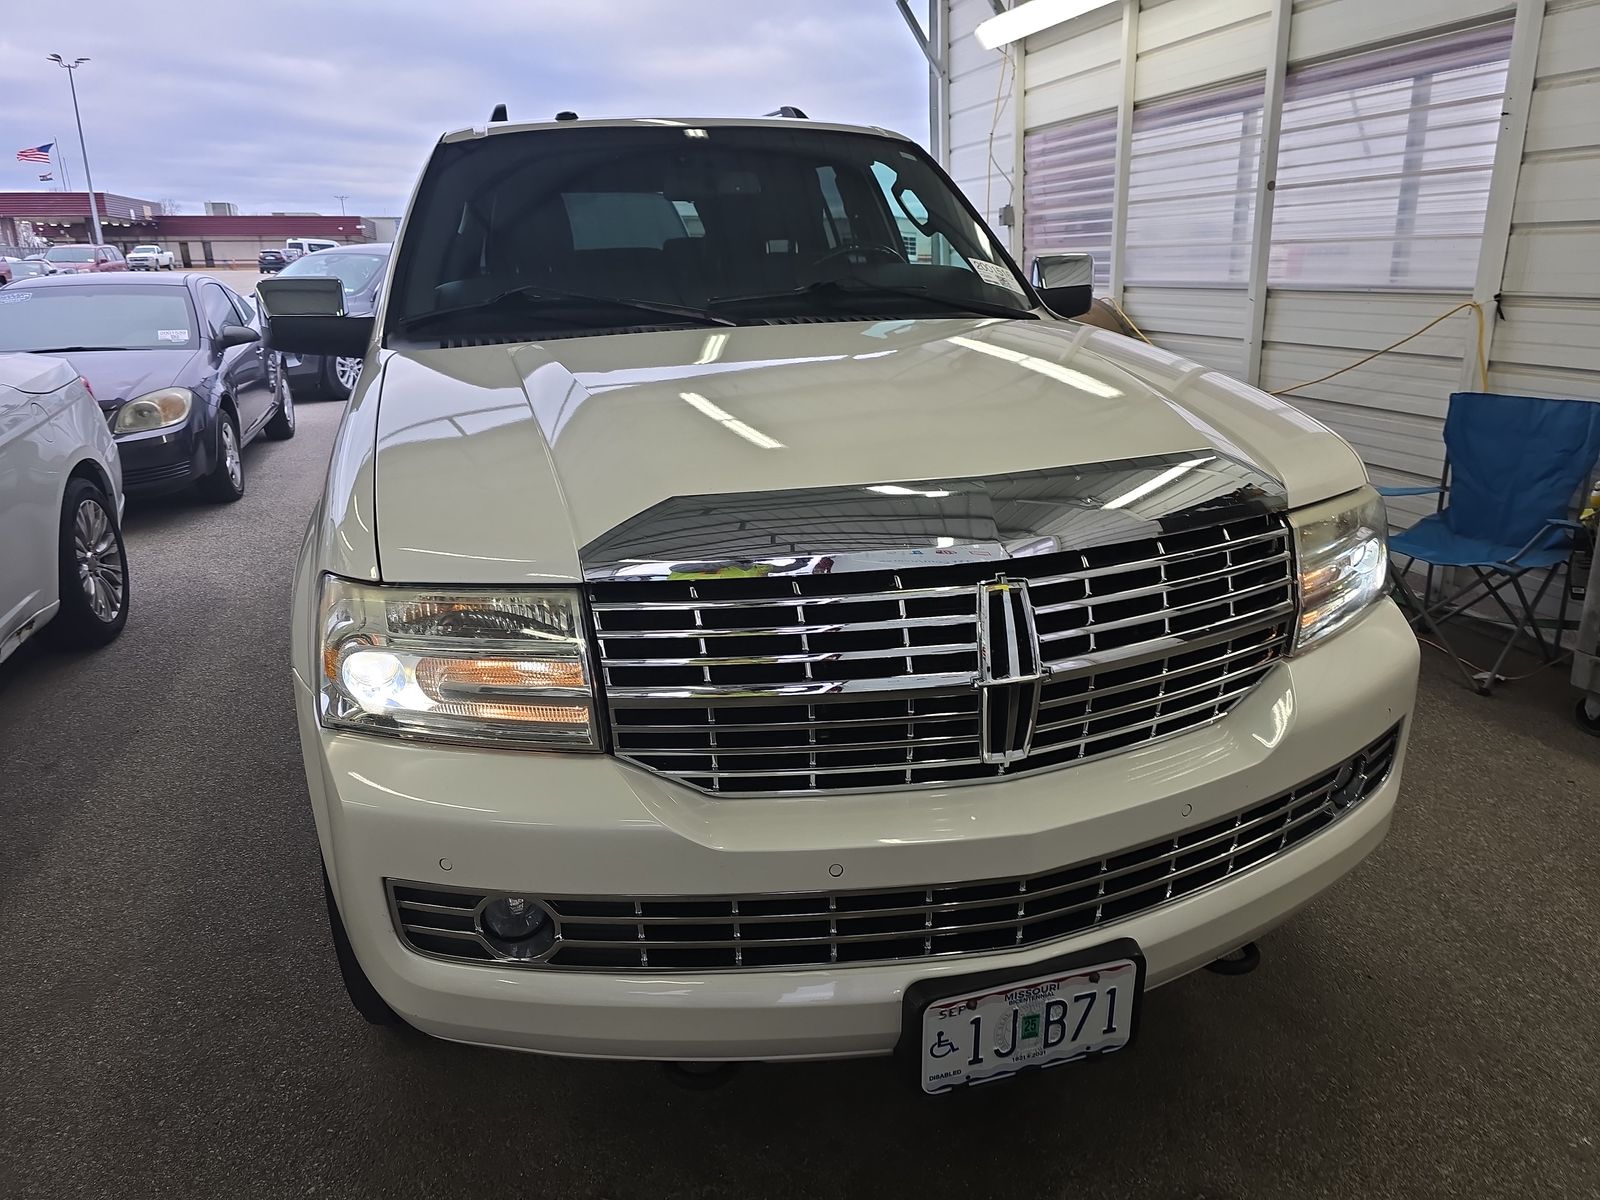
x=727 y=636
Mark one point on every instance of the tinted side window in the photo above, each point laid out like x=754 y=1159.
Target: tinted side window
x=242 y=306
x=217 y=307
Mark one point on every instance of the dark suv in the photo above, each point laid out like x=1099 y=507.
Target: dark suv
x=271 y=261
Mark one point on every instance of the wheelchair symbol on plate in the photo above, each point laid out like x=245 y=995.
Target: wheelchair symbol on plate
x=942 y=1046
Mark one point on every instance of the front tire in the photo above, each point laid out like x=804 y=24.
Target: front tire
x=340 y=376
x=92 y=571
x=225 y=483
x=281 y=427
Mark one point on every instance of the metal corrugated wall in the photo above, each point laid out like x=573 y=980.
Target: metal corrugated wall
x=1541 y=233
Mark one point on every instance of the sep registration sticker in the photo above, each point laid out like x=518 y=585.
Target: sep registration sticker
x=172 y=335
x=7 y=296
x=996 y=274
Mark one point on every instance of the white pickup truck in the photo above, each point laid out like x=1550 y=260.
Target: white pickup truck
x=150 y=258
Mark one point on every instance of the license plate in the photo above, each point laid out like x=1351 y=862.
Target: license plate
x=1002 y=1023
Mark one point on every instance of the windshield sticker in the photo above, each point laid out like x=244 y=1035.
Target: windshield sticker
x=996 y=274
x=9 y=297
x=172 y=335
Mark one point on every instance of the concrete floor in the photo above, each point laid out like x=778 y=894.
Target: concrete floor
x=171 y=1023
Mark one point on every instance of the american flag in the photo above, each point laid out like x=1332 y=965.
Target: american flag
x=38 y=154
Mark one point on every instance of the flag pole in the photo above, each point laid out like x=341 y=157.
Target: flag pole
x=66 y=176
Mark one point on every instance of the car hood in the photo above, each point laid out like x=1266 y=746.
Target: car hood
x=35 y=374
x=119 y=375
x=499 y=464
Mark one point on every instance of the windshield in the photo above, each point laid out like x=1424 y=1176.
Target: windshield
x=21 y=270
x=517 y=231
x=353 y=271
x=95 y=318
x=70 y=254
x=147 y=249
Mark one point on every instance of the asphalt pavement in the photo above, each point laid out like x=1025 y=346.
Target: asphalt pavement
x=172 y=1024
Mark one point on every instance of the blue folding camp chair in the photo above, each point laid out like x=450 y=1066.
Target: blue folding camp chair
x=1512 y=467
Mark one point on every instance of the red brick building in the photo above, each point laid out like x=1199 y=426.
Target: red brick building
x=27 y=218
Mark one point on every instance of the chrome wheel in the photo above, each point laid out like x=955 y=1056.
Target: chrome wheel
x=348 y=372
x=285 y=402
x=230 y=455
x=99 y=559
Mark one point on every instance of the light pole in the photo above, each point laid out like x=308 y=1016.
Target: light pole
x=341 y=200
x=72 y=81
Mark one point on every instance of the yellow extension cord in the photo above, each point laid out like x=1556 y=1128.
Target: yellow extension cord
x=1477 y=311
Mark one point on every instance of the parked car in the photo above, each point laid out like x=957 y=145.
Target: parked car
x=71 y=260
x=360 y=270
x=741 y=641
x=177 y=365
x=63 y=572
x=270 y=261
x=150 y=258
x=7 y=271
x=28 y=268
x=293 y=248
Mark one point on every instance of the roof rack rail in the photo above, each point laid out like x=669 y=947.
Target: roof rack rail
x=498 y=113
x=788 y=110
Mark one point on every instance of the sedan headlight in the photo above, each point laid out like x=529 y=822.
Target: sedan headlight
x=499 y=666
x=1342 y=553
x=154 y=410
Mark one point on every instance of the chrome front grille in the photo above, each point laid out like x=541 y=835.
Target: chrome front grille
x=871 y=680
x=822 y=928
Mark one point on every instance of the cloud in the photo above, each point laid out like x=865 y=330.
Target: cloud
x=284 y=104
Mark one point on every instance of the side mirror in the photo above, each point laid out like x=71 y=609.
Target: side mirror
x=1065 y=282
x=236 y=335
x=306 y=316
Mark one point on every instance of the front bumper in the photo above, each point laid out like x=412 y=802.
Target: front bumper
x=163 y=460
x=588 y=825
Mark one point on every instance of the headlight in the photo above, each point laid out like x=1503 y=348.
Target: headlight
x=1342 y=552
x=501 y=666
x=154 y=410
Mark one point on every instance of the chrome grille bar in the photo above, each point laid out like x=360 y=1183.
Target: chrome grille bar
x=755 y=686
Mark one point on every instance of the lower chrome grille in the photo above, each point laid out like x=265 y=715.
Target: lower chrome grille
x=872 y=680
x=822 y=928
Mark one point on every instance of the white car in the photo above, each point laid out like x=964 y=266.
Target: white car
x=63 y=573
x=738 y=639
x=293 y=248
x=150 y=258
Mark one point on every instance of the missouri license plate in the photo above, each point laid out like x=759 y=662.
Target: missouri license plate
x=1001 y=1025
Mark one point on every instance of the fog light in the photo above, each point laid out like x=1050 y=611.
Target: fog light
x=513 y=918
x=1347 y=784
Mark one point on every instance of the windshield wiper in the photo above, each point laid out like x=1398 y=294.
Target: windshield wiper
x=836 y=289
x=538 y=297
x=88 y=349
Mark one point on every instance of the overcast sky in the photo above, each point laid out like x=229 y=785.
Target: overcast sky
x=283 y=104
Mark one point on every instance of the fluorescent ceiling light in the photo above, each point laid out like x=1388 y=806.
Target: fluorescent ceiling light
x=729 y=422
x=1040 y=366
x=895 y=489
x=1030 y=18
x=1154 y=485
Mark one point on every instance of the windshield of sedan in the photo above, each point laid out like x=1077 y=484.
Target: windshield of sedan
x=565 y=230
x=86 y=317
x=353 y=271
x=69 y=254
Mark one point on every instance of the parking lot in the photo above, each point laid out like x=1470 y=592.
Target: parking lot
x=174 y=1024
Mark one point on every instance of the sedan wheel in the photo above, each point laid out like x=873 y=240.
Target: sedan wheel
x=348 y=372
x=93 y=572
x=99 y=558
x=281 y=427
x=225 y=483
